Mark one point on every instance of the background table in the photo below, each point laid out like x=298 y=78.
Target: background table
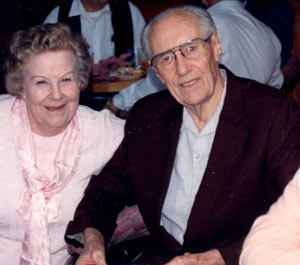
x=97 y=93
x=113 y=86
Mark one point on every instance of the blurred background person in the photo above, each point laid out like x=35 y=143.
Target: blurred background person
x=251 y=50
x=279 y=15
x=50 y=146
x=109 y=27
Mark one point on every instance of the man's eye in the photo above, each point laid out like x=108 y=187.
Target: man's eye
x=167 y=58
x=190 y=48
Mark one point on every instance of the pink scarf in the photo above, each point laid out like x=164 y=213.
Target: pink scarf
x=40 y=201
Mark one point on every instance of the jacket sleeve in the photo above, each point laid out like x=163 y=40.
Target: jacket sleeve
x=283 y=159
x=275 y=237
x=104 y=198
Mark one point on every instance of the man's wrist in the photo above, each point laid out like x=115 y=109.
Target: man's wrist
x=92 y=235
x=111 y=106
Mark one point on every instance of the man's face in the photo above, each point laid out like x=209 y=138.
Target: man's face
x=192 y=81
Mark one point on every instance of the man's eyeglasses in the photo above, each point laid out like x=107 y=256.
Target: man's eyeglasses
x=166 y=61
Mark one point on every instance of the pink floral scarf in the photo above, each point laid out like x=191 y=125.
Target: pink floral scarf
x=40 y=201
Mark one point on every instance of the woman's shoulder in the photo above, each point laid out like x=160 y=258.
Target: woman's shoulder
x=102 y=132
x=6 y=100
x=99 y=119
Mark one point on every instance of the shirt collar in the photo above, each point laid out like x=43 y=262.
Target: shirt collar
x=211 y=125
x=227 y=3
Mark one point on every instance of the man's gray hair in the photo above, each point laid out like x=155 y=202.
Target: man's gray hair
x=205 y=22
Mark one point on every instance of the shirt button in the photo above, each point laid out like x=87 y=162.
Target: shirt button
x=197 y=156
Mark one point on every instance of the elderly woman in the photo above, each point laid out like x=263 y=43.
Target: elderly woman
x=49 y=147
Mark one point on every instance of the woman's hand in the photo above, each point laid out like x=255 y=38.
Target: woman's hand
x=211 y=257
x=94 y=250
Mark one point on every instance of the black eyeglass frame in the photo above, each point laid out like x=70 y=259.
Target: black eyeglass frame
x=178 y=48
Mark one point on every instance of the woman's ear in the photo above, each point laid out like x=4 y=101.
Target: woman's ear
x=22 y=94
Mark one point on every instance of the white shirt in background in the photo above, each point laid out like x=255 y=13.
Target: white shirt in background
x=96 y=27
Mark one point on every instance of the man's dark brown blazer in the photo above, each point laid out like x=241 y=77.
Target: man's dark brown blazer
x=256 y=151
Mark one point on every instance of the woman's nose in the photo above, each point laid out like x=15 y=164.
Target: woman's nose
x=56 y=92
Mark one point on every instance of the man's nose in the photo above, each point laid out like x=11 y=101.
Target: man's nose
x=182 y=64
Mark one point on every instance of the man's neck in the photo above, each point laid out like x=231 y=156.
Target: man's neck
x=204 y=111
x=92 y=7
x=210 y=3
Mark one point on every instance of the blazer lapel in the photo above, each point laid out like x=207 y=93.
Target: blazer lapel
x=167 y=129
x=230 y=139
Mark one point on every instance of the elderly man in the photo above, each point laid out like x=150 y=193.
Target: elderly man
x=202 y=159
x=250 y=49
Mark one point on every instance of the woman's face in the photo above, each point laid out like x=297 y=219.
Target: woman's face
x=51 y=91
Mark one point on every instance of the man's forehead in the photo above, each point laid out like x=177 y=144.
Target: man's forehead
x=173 y=30
x=176 y=18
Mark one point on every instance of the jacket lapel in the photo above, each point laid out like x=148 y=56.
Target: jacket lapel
x=230 y=139
x=164 y=134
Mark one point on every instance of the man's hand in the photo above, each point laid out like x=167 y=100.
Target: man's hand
x=111 y=106
x=94 y=250
x=211 y=257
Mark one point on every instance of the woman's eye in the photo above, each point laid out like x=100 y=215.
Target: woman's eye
x=41 y=82
x=66 y=79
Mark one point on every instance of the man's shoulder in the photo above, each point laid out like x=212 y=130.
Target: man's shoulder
x=155 y=100
x=262 y=92
x=258 y=97
x=155 y=107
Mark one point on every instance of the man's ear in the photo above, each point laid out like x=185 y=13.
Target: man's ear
x=216 y=45
x=158 y=74
x=204 y=2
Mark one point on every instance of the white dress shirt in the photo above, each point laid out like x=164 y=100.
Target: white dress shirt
x=250 y=49
x=126 y=98
x=96 y=27
x=191 y=158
